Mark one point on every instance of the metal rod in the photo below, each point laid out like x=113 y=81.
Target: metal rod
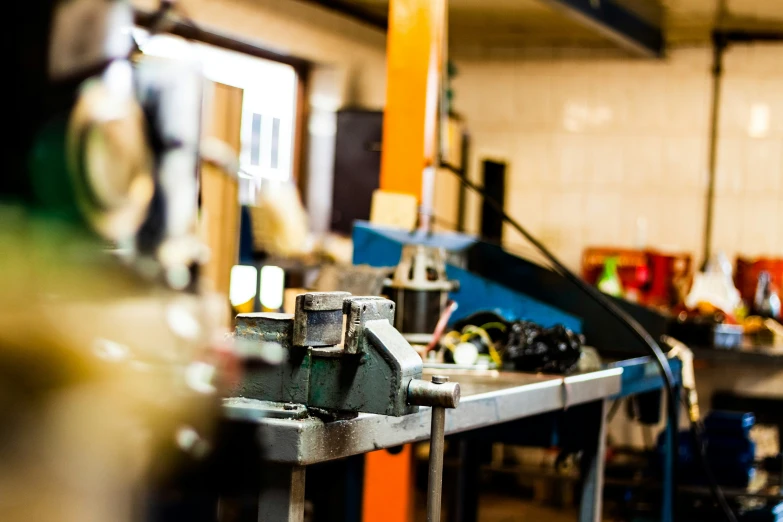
x=435 y=480
x=439 y=394
x=719 y=47
x=720 y=42
x=437 y=443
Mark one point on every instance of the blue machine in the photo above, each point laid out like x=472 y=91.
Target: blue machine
x=382 y=247
x=730 y=451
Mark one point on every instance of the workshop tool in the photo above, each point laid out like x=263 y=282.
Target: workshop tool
x=374 y=370
x=378 y=246
x=420 y=289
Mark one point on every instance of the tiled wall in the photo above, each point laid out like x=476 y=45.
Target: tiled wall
x=597 y=142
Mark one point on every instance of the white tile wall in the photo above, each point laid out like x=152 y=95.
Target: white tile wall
x=306 y=31
x=595 y=142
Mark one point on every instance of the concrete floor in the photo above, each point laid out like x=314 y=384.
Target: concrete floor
x=502 y=508
x=495 y=508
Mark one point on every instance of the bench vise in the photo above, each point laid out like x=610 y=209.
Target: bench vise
x=369 y=369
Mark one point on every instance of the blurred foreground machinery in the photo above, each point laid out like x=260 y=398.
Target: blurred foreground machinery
x=105 y=379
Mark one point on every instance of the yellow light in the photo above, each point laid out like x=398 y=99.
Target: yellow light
x=243 y=284
x=272 y=287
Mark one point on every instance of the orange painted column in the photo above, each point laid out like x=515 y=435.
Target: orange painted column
x=388 y=486
x=414 y=65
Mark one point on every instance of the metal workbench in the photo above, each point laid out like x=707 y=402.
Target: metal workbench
x=489 y=398
x=748 y=354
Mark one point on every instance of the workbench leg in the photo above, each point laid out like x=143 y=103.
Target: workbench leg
x=593 y=468
x=282 y=494
x=667 y=508
x=467 y=494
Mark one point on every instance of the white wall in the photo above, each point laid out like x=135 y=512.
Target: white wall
x=355 y=50
x=596 y=140
x=349 y=68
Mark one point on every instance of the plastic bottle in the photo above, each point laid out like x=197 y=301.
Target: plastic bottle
x=609 y=282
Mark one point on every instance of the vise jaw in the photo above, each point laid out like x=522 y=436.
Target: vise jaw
x=370 y=371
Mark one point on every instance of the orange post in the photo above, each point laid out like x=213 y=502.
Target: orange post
x=388 y=486
x=414 y=64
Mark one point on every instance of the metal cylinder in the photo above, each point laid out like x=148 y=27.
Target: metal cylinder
x=425 y=393
x=440 y=394
x=435 y=475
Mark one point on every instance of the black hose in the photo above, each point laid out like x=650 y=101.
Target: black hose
x=624 y=318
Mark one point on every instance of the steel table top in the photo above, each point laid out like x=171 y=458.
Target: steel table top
x=488 y=398
x=749 y=353
x=642 y=375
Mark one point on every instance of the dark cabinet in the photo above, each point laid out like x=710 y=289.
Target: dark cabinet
x=357 y=166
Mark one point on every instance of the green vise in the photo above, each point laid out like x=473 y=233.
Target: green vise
x=369 y=372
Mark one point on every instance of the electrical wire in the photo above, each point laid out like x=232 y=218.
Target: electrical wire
x=629 y=322
x=440 y=327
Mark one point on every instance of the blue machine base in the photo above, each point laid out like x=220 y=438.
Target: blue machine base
x=382 y=247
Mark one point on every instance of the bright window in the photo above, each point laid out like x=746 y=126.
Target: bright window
x=268 y=107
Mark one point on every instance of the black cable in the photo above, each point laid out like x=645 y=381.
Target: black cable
x=624 y=318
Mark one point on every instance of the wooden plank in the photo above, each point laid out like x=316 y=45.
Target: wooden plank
x=219 y=191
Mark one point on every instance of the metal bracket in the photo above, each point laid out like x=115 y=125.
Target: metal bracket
x=358 y=311
x=642 y=35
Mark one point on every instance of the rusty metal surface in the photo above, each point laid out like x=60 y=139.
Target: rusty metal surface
x=268 y=327
x=375 y=381
x=323 y=301
x=359 y=310
x=286 y=382
x=318 y=319
x=488 y=398
x=276 y=410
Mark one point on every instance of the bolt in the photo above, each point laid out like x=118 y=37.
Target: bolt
x=289 y=406
x=440 y=379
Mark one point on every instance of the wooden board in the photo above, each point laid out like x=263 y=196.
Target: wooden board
x=219 y=191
